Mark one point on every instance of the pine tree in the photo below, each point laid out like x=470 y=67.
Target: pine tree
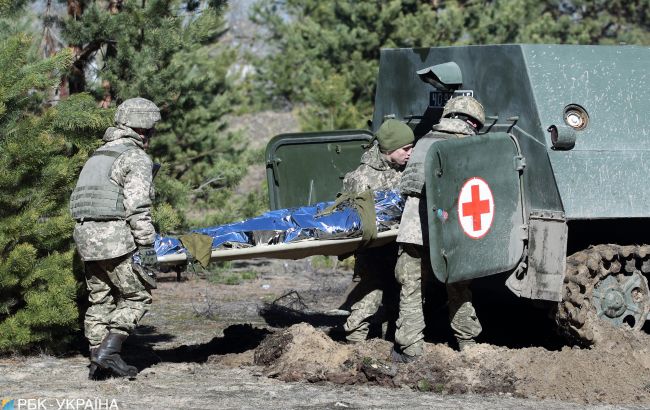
x=41 y=153
x=338 y=42
x=167 y=51
x=561 y=22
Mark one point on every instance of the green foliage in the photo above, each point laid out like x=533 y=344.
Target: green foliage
x=41 y=153
x=321 y=262
x=13 y=18
x=248 y=275
x=336 y=44
x=222 y=274
x=10 y=7
x=423 y=385
x=553 y=21
x=329 y=106
x=167 y=51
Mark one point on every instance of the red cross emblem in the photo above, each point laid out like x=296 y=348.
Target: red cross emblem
x=475 y=207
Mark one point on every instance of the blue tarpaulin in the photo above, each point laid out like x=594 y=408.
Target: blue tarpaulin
x=293 y=224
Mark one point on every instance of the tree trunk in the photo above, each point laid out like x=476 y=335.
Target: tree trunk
x=114 y=7
x=75 y=8
x=76 y=78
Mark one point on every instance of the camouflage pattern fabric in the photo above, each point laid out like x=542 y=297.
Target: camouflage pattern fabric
x=373 y=269
x=133 y=171
x=373 y=286
x=412 y=227
x=462 y=315
x=454 y=126
x=465 y=105
x=412 y=182
x=412 y=236
x=118 y=298
x=137 y=112
x=374 y=173
x=409 y=272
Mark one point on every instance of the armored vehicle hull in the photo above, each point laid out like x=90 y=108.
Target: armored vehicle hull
x=556 y=170
x=551 y=194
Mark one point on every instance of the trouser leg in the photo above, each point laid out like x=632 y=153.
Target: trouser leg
x=102 y=303
x=409 y=334
x=366 y=298
x=462 y=315
x=358 y=323
x=133 y=300
x=390 y=304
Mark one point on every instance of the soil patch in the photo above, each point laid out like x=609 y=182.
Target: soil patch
x=616 y=372
x=207 y=345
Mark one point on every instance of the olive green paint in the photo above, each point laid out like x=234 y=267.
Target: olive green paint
x=455 y=256
x=534 y=83
x=306 y=168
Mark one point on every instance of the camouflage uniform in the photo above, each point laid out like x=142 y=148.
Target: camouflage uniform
x=373 y=283
x=374 y=173
x=412 y=264
x=373 y=278
x=112 y=206
x=106 y=247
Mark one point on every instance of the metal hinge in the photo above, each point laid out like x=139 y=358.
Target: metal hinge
x=520 y=162
x=548 y=215
x=523 y=232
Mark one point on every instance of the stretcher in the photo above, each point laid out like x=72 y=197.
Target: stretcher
x=292 y=250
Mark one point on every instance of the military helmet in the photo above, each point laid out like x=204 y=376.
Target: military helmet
x=137 y=113
x=394 y=134
x=465 y=105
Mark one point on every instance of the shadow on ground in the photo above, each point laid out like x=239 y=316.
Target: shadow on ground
x=140 y=351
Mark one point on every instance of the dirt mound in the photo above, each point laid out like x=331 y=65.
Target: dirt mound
x=302 y=353
x=615 y=372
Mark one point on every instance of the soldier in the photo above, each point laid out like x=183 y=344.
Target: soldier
x=461 y=117
x=111 y=204
x=381 y=168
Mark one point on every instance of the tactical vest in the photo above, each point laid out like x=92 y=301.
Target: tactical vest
x=412 y=181
x=96 y=197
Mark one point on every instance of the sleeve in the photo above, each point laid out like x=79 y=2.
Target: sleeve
x=137 y=181
x=352 y=183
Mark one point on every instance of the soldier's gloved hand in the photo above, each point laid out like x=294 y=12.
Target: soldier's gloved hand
x=148 y=256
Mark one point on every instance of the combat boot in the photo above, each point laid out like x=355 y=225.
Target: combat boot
x=401 y=357
x=92 y=369
x=108 y=356
x=465 y=343
x=95 y=372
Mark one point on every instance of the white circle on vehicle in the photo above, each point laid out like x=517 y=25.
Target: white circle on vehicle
x=475 y=207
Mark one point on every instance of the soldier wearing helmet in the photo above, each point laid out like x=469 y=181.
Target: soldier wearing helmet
x=462 y=117
x=111 y=205
x=373 y=283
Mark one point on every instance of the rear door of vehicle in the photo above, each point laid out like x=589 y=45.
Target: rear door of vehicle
x=306 y=168
x=474 y=206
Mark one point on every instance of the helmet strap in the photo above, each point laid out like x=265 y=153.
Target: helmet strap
x=467 y=119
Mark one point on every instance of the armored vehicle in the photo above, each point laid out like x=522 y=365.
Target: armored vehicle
x=552 y=193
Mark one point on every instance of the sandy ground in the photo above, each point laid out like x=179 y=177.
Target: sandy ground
x=207 y=345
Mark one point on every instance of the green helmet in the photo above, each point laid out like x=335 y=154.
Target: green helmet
x=394 y=134
x=137 y=113
x=465 y=105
